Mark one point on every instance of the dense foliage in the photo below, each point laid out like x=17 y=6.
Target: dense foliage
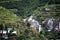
x=14 y=11
x=7 y=17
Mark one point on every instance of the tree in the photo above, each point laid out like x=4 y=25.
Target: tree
x=26 y=8
x=7 y=17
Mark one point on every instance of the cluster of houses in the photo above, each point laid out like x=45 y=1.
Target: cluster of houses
x=50 y=23
x=4 y=34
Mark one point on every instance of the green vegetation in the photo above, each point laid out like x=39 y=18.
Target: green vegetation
x=25 y=8
x=7 y=17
